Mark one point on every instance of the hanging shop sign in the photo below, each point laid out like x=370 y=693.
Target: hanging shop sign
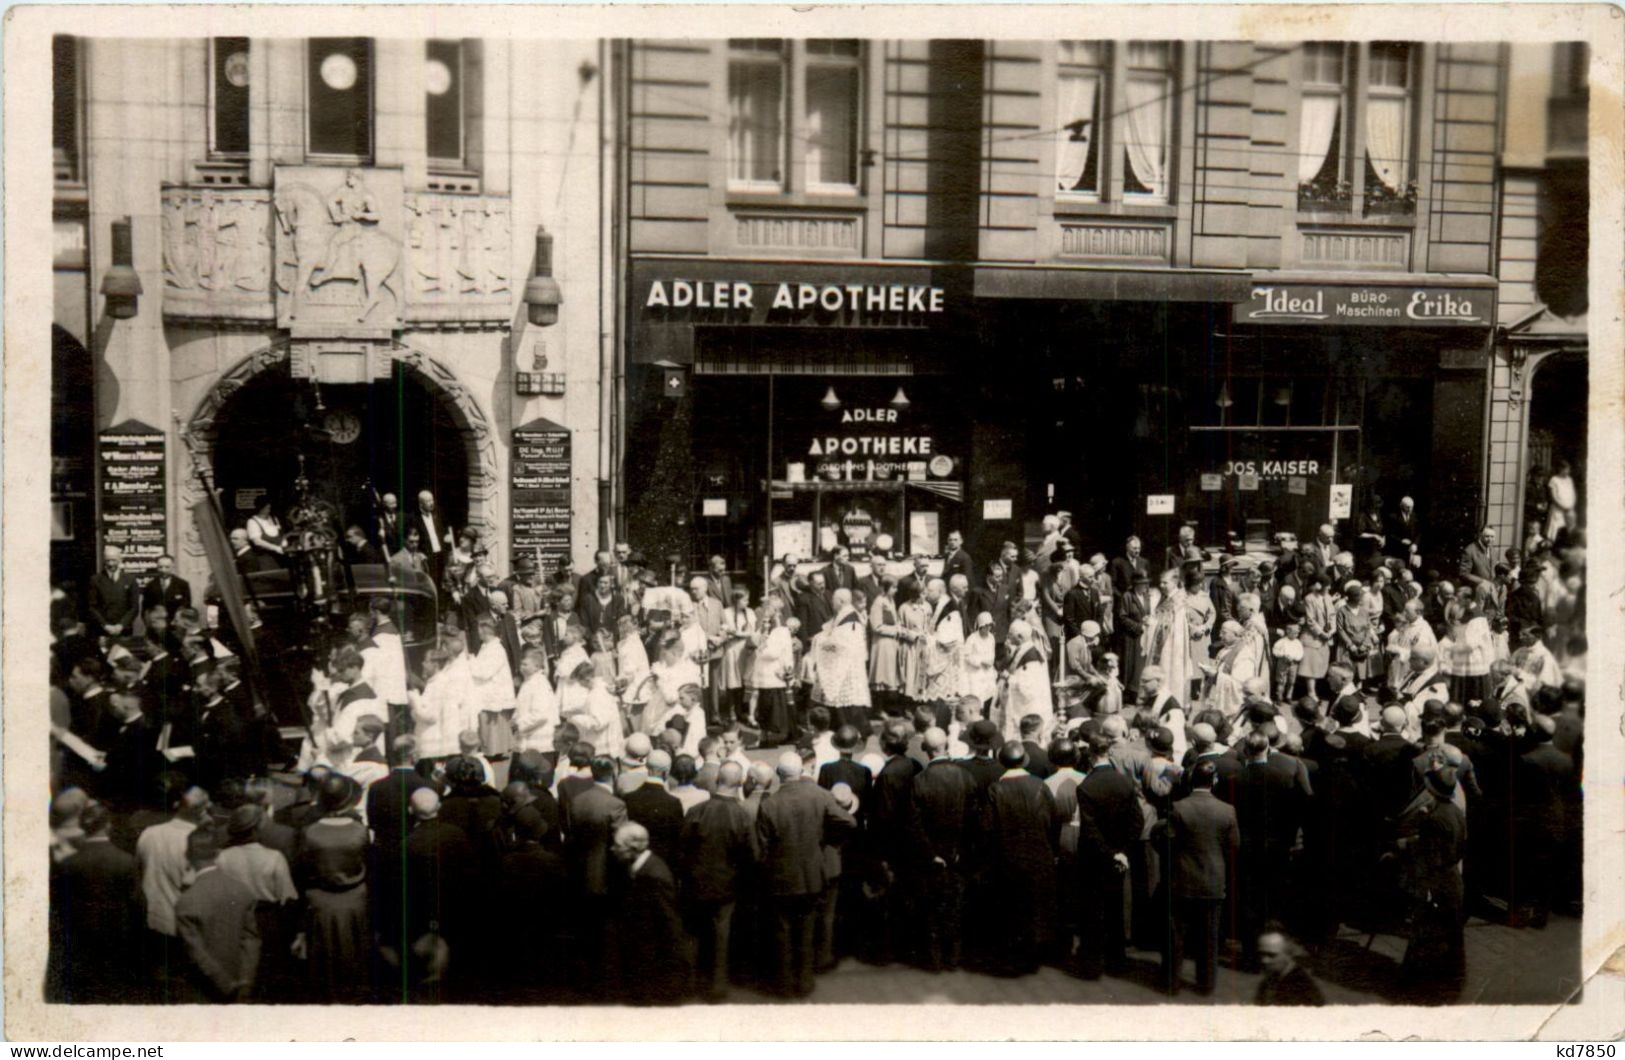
x=133 y=493
x=1368 y=304
x=539 y=494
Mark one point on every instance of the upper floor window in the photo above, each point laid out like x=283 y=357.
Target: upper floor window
x=338 y=97
x=757 y=72
x=445 y=99
x=795 y=115
x=833 y=78
x=65 y=104
x=1115 y=101
x=228 y=87
x=1356 y=145
x=1080 y=94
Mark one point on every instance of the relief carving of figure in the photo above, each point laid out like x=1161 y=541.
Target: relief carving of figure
x=339 y=239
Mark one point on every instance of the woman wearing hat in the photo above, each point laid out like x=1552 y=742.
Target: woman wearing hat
x=1319 y=629
x=885 y=647
x=1356 y=636
x=981 y=671
x=772 y=662
x=333 y=870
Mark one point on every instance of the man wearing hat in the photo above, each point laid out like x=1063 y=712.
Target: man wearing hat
x=524 y=589
x=1432 y=837
x=792 y=826
x=1133 y=612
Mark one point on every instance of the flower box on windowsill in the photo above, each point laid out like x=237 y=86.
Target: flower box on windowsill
x=1381 y=201
x=1323 y=198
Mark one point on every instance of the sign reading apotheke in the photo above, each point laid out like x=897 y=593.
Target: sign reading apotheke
x=1370 y=304
x=794 y=300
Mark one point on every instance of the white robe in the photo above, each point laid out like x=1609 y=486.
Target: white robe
x=944 y=665
x=493 y=681
x=843 y=663
x=1027 y=691
x=441 y=711
x=1235 y=665
x=981 y=679
x=1172 y=639
x=536 y=705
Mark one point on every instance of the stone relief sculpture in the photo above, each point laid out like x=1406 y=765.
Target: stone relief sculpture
x=335 y=240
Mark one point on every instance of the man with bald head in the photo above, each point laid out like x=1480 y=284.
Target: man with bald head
x=842 y=665
x=437 y=890
x=792 y=827
x=715 y=860
x=653 y=947
x=1390 y=779
x=651 y=805
x=430 y=523
x=595 y=812
x=941 y=809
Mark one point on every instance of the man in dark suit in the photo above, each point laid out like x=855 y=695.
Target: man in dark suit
x=840 y=574
x=912 y=585
x=593 y=814
x=955 y=560
x=1037 y=758
x=792 y=827
x=994 y=598
x=941 y=817
x=717 y=859
x=1081 y=604
x=1203 y=841
x=1390 y=776
x=887 y=812
x=1125 y=567
x=132 y=759
x=601 y=608
x=114 y=596
x=813 y=607
x=1109 y=826
x=1478 y=560
x=1402 y=533
x=1269 y=807
x=389 y=815
x=389 y=529
x=1547 y=797
x=358 y=550
x=719 y=584
x=507 y=629
x=1018 y=839
x=656 y=809
x=437 y=895
x=654 y=948
x=90 y=705
x=1133 y=612
x=532 y=879
x=94 y=919
x=218 y=926
x=430 y=523
x=165 y=589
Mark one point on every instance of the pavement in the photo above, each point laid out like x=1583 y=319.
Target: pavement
x=1505 y=966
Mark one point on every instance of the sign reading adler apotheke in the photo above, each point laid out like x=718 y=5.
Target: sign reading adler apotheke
x=791 y=301
x=1369 y=304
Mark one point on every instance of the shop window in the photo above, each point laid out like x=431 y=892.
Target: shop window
x=445 y=81
x=229 y=93
x=1115 y=99
x=1356 y=134
x=66 y=86
x=338 y=98
x=794 y=107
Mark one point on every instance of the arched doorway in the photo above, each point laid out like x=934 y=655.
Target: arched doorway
x=417 y=427
x=395 y=435
x=1559 y=397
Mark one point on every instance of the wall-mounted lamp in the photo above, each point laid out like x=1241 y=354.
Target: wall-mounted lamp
x=542 y=294
x=122 y=285
x=1224 y=399
x=900 y=400
x=830 y=402
x=1283 y=395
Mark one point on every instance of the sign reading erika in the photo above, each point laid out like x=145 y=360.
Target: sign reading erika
x=1369 y=304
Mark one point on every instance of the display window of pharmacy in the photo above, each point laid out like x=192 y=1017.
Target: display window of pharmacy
x=871 y=464
x=1264 y=454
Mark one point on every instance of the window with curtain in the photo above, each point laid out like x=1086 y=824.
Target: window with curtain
x=1321 y=180
x=229 y=88
x=833 y=91
x=1388 y=123
x=1079 y=98
x=1148 y=107
x=756 y=119
x=339 y=97
x=443 y=79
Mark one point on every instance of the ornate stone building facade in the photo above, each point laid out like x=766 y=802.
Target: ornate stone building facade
x=333 y=237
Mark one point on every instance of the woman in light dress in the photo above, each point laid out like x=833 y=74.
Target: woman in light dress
x=738 y=620
x=1356 y=637
x=586 y=703
x=493 y=691
x=915 y=627
x=885 y=647
x=1319 y=629
x=981 y=671
x=1561 y=499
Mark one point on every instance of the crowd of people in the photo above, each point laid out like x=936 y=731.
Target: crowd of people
x=646 y=788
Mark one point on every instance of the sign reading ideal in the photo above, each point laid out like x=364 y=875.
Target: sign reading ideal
x=1381 y=305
